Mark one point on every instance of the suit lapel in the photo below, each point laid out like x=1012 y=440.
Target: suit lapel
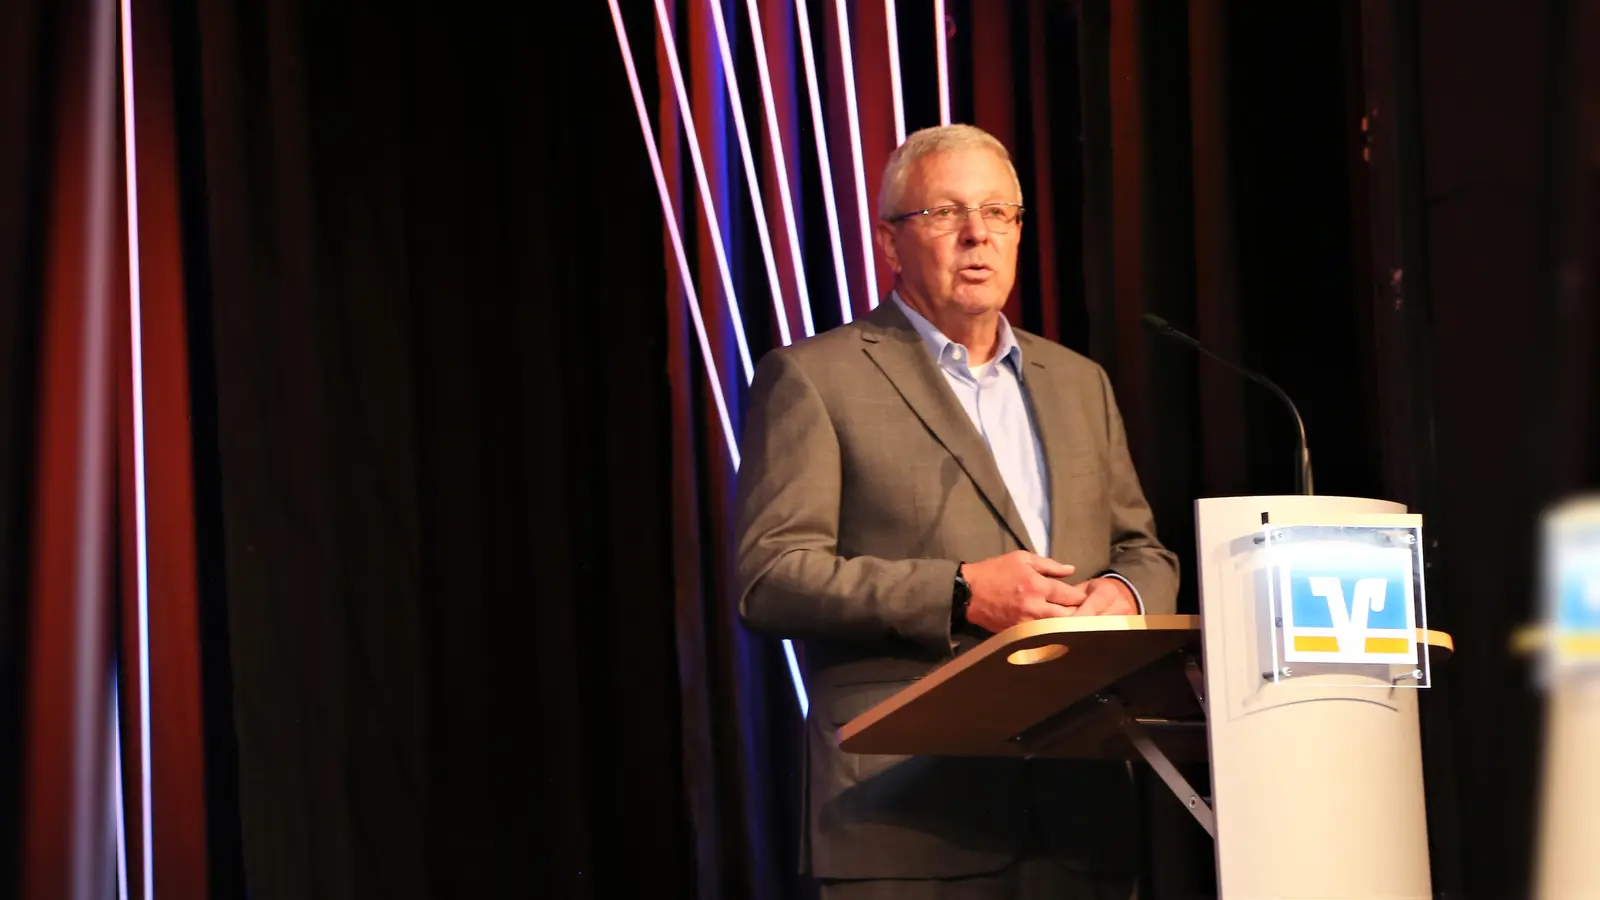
x=898 y=351
x=1056 y=420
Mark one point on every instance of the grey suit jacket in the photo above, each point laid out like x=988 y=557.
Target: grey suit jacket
x=864 y=485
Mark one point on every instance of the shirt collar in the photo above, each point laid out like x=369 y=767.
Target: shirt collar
x=943 y=348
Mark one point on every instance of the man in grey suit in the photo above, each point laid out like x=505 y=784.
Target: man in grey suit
x=912 y=483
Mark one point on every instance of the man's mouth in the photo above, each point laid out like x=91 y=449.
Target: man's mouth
x=976 y=271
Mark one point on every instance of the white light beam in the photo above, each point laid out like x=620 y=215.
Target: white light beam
x=869 y=269
x=689 y=291
x=940 y=40
x=750 y=175
x=704 y=182
x=894 y=72
x=819 y=130
x=141 y=535
x=781 y=167
x=673 y=233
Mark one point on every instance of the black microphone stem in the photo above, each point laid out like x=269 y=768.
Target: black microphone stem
x=1302 y=476
x=1302 y=479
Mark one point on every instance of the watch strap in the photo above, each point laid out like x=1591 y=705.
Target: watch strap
x=961 y=597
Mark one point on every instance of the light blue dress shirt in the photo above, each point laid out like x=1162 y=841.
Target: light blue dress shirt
x=992 y=394
x=995 y=397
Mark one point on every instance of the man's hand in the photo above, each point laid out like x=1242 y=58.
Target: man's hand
x=1019 y=587
x=1107 y=597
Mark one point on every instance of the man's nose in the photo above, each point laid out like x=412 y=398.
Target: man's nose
x=973 y=230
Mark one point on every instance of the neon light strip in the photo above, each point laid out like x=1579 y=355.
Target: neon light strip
x=141 y=537
x=705 y=188
x=689 y=291
x=750 y=174
x=894 y=72
x=869 y=271
x=794 y=249
x=780 y=167
x=940 y=39
x=803 y=17
x=677 y=238
x=116 y=790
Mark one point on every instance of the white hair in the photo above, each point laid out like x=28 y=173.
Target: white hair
x=928 y=141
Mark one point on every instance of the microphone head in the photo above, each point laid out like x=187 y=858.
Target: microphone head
x=1156 y=323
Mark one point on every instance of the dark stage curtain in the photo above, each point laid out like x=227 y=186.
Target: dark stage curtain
x=1505 y=203
x=26 y=32
x=441 y=427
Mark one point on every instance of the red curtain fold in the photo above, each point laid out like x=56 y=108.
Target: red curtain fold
x=68 y=839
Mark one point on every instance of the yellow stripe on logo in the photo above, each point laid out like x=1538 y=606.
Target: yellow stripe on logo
x=1307 y=643
x=1582 y=644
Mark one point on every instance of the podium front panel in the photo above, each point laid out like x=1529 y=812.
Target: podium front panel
x=1569 y=674
x=1316 y=784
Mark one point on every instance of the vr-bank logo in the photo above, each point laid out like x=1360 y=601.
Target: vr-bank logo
x=1580 y=601
x=1574 y=560
x=1576 y=581
x=1348 y=605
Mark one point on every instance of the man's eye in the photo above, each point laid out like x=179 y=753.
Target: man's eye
x=944 y=212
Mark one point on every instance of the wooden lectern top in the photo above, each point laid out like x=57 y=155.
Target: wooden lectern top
x=1031 y=691
x=1018 y=680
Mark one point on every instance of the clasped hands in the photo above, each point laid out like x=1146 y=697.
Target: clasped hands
x=1023 y=587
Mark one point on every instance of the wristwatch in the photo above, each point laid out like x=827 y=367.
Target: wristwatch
x=960 y=598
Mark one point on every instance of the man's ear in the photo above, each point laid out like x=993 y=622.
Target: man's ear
x=883 y=236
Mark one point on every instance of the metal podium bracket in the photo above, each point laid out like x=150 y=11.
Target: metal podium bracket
x=1197 y=683
x=1136 y=735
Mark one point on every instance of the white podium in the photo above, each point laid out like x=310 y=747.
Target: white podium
x=1567 y=648
x=1317 y=777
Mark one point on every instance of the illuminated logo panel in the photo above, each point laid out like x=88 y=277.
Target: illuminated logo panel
x=1573 y=584
x=1347 y=604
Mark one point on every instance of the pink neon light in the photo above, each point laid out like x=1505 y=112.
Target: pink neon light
x=940 y=40
x=869 y=271
x=751 y=176
x=894 y=73
x=705 y=188
x=115 y=751
x=780 y=166
x=688 y=286
x=677 y=238
x=794 y=236
x=808 y=55
x=141 y=535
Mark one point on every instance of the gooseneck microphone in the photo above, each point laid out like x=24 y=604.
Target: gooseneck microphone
x=1303 y=469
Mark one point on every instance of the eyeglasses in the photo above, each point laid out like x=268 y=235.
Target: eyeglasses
x=997 y=217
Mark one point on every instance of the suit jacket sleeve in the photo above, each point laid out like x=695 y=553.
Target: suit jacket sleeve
x=1136 y=553
x=790 y=578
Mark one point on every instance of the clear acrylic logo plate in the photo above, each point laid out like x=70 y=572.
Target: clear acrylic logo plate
x=1571 y=582
x=1341 y=605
